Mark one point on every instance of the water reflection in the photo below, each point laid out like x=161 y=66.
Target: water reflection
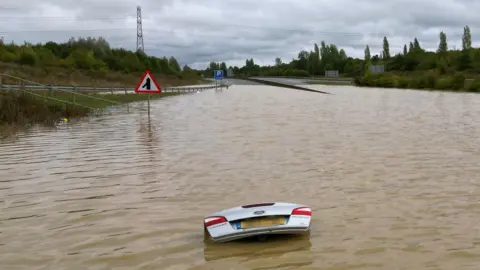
x=296 y=248
x=147 y=134
x=439 y=102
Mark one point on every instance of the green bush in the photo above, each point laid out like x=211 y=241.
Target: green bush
x=444 y=83
x=386 y=81
x=431 y=80
x=378 y=80
x=474 y=86
x=458 y=81
x=403 y=82
x=28 y=57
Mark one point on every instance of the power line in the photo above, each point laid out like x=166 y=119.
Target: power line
x=213 y=24
x=160 y=46
x=173 y=33
x=69 y=17
x=66 y=30
x=197 y=23
x=127 y=32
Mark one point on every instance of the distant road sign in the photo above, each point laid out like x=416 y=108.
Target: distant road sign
x=218 y=75
x=230 y=72
x=148 y=84
x=377 y=69
x=331 y=73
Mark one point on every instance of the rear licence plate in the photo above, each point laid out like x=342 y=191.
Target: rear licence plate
x=261 y=222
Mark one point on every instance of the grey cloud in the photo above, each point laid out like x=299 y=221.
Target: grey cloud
x=197 y=32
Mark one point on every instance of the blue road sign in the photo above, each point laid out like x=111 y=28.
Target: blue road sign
x=218 y=75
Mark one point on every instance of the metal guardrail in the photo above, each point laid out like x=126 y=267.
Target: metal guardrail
x=70 y=88
x=31 y=85
x=27 y=86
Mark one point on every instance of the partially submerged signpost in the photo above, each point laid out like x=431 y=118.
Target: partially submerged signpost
x=217 y=76
x=148 y=85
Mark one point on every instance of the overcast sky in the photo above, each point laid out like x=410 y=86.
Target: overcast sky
x=199 y=31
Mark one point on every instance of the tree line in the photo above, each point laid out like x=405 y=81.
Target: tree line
x=91 y=54
x=414 y=67
x=413 y=60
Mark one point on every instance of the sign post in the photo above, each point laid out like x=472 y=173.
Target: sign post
x=148 y=106
x=217 y=76
x=148 y=85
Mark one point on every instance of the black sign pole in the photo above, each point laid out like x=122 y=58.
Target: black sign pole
x=148 y=104
x=148 y=86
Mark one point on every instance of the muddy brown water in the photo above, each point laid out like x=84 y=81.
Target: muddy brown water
x=393 y=178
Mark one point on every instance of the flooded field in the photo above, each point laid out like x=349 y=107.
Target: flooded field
x=393 y=178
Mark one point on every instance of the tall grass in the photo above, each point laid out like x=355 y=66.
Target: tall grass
x=22 y=108
x=18 y=108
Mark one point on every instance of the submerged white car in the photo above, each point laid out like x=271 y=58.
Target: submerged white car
x=257 y=220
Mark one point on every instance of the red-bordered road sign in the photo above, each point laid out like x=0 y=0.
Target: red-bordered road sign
x=148 y=84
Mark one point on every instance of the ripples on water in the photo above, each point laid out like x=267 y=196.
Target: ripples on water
x=392 y=176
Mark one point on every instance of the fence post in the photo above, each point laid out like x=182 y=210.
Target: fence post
x=74 y=92
x=22 y=87
x=111 y=90
x=125 y=88
x=45 y=92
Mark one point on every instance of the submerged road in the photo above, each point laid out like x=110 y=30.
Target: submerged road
x=392 y=178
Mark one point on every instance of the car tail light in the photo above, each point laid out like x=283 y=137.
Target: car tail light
x=209 y=221
x=302 y=211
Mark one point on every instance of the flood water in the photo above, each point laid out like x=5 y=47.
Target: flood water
x=392 y=176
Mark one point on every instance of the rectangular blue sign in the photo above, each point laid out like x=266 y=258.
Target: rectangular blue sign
x=218 y=75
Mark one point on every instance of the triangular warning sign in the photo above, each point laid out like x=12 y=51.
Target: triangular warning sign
x=148 y=84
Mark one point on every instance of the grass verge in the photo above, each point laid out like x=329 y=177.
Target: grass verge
x=90 y=99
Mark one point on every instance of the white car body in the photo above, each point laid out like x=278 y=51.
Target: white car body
x=225 y=225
